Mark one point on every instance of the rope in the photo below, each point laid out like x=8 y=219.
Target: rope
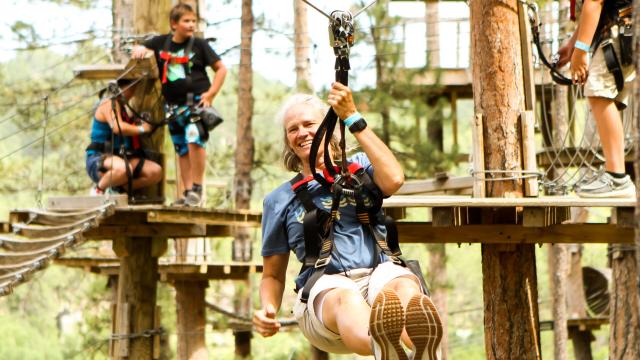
x=246 y=319
x=44 y=141
x=144 y=334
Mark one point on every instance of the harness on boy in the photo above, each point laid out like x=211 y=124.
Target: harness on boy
x=348 y=179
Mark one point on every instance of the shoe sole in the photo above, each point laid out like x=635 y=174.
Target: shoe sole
x=624 y=193
x=385 y=324
x=424 y=327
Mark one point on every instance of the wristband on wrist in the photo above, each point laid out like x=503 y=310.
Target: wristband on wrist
x=140 y=129
x=351 y=119
x=582 y=46
x=358 y=126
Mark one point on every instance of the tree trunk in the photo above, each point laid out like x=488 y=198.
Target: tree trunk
x=558 y=270
x=636 y=103
x=510 y=284
x=379 y=32
x=439 y=286
x=624 y=336
x=433 y=34
x=301 y=43
x=244 y=164
x=122 y=13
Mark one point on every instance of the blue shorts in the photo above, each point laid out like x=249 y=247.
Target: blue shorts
x=93 y=164
x=184 y=132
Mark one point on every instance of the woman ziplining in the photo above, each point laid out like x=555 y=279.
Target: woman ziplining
x=355 y=293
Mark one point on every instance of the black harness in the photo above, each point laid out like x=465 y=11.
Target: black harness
x=350 y=180
x=137 y=151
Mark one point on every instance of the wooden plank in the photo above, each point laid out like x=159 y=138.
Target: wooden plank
x=66 y=203
x=40 y=231
x=8 y=258
x=124 y=329
x=478 y=156
x=584 y=324
x=107 y=232
x=527 y=121
x=144 y=68
x=624 y=217
x=527 y=58
x=436 y=185
x=12 y=243
x=44 y=217
x=443 y=216
x=514 y=234
x=22 y=274
x=535 y=216
x=202 y=216
x=429 y=201
x=156 y=338
x=37 y=263
x=5 y=227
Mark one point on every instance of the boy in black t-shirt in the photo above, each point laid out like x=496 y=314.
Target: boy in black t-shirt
x=182 y=60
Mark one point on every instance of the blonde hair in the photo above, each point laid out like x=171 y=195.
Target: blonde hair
x=291 y=161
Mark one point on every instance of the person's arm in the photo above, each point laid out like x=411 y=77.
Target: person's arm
x=388 y=174
x=220 y=72
x=105 y=113
x=140 y=52
x=566 y=50
x=587 y=25
x=271 y=289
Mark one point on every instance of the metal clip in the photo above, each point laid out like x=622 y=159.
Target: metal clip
x=322 y=262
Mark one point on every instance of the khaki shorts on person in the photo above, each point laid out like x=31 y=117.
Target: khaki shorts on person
x=601 y=83
x=368 y=282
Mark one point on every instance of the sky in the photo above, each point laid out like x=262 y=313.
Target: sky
x=273 y=53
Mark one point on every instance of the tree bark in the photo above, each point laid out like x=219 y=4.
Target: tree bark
x=624 y=335
x=433 y=34
x=301 y=43
x=510 y=284
x=191 y=318
x=636 y=102
x=558 y=270
x=122 y=13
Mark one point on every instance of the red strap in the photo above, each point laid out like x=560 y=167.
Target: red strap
x=301 y=182
x=168 y=58
x=135 y=140
x=572 y=10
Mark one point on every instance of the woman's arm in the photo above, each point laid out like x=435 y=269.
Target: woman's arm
x=388 y=174
x=105 y=113
x=271 y=289
x=589 y=18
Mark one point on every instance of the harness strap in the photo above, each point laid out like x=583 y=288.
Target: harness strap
x=168 y=58
x=613 y=65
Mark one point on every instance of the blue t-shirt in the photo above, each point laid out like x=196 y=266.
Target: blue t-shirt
x=283 y=231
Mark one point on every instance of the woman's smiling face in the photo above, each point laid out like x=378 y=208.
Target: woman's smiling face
x=301 y=123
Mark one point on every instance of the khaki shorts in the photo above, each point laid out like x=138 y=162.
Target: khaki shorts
x=601 y=83
x=368 y=282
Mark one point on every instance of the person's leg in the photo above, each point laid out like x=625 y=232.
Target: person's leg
x=611 y=132
x=184 y=162
x=197 y=161
x=115 y=175
x=150 y=174
x=345 y=312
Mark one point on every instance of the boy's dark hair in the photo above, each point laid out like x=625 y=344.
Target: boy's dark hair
x=179 y=11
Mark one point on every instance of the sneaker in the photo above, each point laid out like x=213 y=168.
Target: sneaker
x=95 y=191
x=179 y=202
x=424 y=327
x=607 y=186
x=385 y=326
x=193 y=199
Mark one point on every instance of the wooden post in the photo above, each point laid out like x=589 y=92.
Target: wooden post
x=478 y=157
x=190 y=312
x=433 y=34
x=509 y=271
x=636 y=94
x=137 y=283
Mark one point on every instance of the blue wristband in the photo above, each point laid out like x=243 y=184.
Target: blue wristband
x=351 y=119
x=582 y=46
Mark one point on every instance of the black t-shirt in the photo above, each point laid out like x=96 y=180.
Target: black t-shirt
x=202 y=55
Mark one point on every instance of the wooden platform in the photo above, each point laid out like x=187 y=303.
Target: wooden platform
x=457 y=219
x=429 y=201
x=145 y=221
x=168 y=271
x=140 y=68
x=587 y=324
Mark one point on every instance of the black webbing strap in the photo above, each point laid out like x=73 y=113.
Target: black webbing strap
x=556 y=75
x=613 y=64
